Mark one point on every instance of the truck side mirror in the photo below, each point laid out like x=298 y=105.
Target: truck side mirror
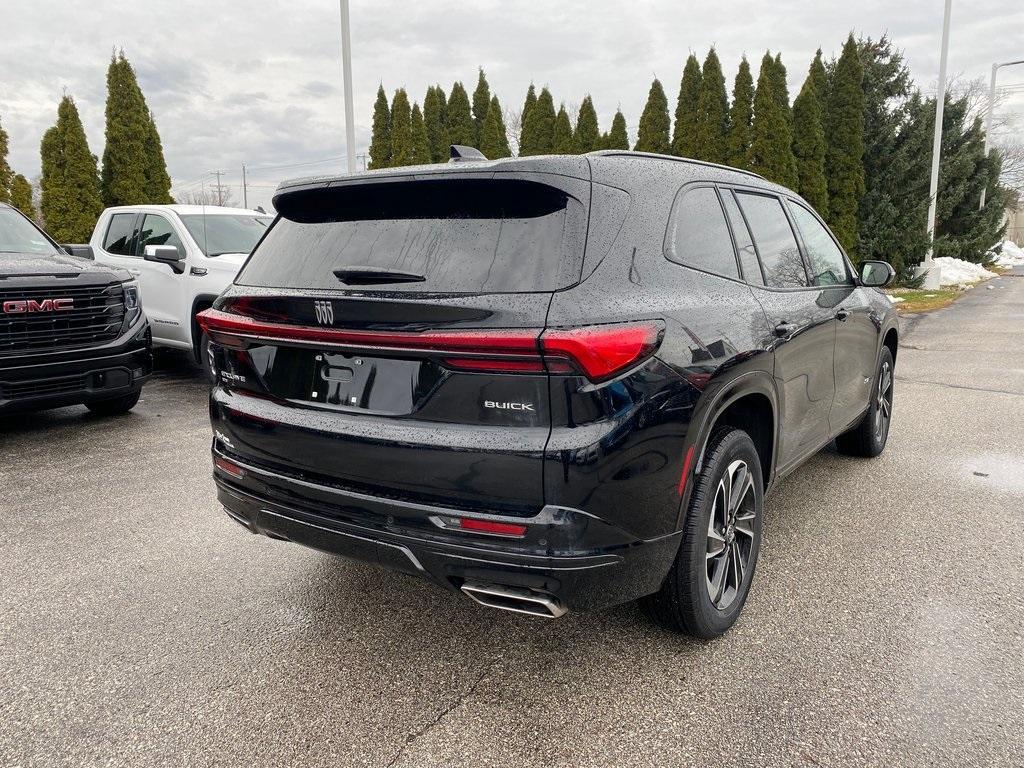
x=165 y=254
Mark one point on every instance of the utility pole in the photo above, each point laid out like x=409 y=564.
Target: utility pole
x=220 y=187
x=928 y=265
x=991 y=109
x=346 y=63
x=245 y=190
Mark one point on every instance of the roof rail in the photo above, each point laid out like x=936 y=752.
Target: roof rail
x=657 y=156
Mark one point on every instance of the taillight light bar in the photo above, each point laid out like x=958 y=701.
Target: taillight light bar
x=599 y=352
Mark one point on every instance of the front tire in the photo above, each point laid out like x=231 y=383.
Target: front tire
x=115 y=406
x=708 y=584
x=869 y=437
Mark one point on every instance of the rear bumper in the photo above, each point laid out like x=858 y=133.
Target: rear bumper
x=59 y=379
x=575 y=558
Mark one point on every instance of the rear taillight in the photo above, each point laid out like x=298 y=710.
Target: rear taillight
x=229 y=467
x=599 y=352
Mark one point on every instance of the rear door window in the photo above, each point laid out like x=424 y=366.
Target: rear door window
x=698 y=235
x=828 y=266
x=744 y=243
x=120 y=239
x=458 y=235
x=775 y=241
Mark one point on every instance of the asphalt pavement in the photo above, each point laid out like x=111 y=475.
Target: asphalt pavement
x=140 y=626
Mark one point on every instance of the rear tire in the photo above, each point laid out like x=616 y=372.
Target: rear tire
x=114 y=406
x=708 y=584
x=869 y=436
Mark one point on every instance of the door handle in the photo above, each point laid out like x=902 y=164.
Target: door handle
x=842 y=314
x=785 y=329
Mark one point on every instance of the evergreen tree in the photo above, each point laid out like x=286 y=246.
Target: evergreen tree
x=684 y=134
x=844 y=134
x=588 y=134
x=380 y=136
x=616 y=138
x=712 y=121
x=741 y=117
x=538 y=136
x=419 y=138
x=653 y=131
x=134 y=171
x=781 y=86
x=529 y=104
x=70 y=199
x=481 y=101
x=493 y=136
x=771 y=150
x=402 y=151
x=820 y=79
x=809 y=147
x=21 y=196
x=563 y=141
x=5 y=170
x=459 y=122
x=433 y=118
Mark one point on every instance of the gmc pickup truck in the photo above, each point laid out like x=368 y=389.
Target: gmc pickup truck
x=71 y=331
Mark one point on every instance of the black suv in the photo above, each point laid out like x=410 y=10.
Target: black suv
x=71 y=331
x=553 y=383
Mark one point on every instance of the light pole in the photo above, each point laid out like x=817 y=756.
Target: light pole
x=932 y=278
x=346 y=63
x=992 y=108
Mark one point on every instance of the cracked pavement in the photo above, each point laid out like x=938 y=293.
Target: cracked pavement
x=140 y=626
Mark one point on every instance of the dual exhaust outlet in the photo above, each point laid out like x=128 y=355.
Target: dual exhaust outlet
x=514 y=599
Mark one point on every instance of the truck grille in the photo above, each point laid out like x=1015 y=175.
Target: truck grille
x=96 y=317
x=61 y=386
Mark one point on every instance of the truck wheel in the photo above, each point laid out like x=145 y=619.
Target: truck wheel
x=114 y=406
x=868 y=438
x=206 y=359
x=707 y=586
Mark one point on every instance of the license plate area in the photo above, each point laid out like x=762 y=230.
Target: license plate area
x=353 y=381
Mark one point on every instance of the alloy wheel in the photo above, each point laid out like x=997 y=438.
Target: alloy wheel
x=883 y=401
x=730 y=534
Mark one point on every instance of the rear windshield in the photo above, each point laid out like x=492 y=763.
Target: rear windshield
x=459 y=236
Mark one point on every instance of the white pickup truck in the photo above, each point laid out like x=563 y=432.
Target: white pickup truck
x=183 y=256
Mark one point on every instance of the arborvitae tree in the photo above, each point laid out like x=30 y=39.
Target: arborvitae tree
x=771 y=150
x=652 y=133
x=133 y=165
x=21 y=196
x=459 y=122
x=529 y=104
x=433 y=117
x=781 y=86
x=402 y=151
x=418 y=136
x=493 y=136
x=809 y=147
x=844 y=134
x=380 y=136
x=741 y=117
x=563 y=141
x=538 y=136
x=481 y=102
x=158 y=182
x=70 y=198
x=819 y=77
x=684 y=134
x=712 y=123
x=5 y=170
x=587 y=135
x=617 y=137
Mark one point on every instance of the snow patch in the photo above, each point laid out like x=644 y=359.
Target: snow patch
x=896 y=299
x=1010 y=254
x=957 y=272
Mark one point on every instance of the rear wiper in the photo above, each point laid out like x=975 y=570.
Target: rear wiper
x=376 y=275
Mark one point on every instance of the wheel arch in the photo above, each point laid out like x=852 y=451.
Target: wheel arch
x=199 y=303
x=891 y=339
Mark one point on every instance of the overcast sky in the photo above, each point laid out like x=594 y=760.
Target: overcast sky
x=258 y=82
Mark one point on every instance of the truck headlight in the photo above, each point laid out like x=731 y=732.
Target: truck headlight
x=131 y=295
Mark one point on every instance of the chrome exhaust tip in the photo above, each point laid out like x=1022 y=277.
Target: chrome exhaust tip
x=515 y=599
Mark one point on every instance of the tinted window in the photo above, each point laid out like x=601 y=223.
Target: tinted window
x=119 y=235
x=461 y=236
x=744 y=243
x=156 y=230
x=698 y=235
x=776 y=243
x=18 y=235
x=220 y=234
x=828 y=267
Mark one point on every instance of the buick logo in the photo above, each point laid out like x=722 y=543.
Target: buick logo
x=22 y=306
x=324 y=312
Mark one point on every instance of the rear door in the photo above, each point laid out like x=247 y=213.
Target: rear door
x=389 y=337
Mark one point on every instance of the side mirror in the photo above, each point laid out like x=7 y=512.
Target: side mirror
x=876 y=274
x=165 y=254
x=81 y=251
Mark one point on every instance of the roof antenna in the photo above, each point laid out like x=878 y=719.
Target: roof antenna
x=463 y=154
